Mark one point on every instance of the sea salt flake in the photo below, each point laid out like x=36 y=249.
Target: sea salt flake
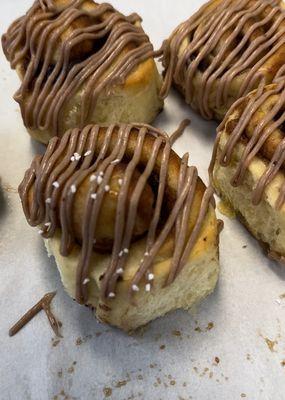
x=99 y=180
x=135 y=288
x=55 y=184
x=150 y=277
x=73 y=189
x=120 y=271
x=148 y=287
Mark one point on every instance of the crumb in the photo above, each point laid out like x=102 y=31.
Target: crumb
x=55 y=342
x=210 y=326
x=70 y=370
x=78 y=341
x=162 y=347
x=283 y=363
x=244 y=247
x=217 y=360
x=121 y=384
x=282 y=296
x=270 y=344
x=184 y=384
x=158 y=381
x=211 y=375
x=152 y=365
x=140 y=377
x=59 y=374
x=195 y=369
x=198 y=329
x=172 y=382
x=107 y=392
x=176 y=333
x=243 y=395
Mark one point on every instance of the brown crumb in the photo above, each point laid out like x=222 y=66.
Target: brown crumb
x=107 y=392
x=55 y=398
x=244 y=247
x=243 y=395
x=198 y=329
x=140 y=377
x=121 y=384
x=217 y=360
x=282 y=296
x=152 y=365
x=59 y=374
x=176 y=333
x=210 y=326
x=158 y=380
x=172 y=382
x=70 y=370
x=195 y=369
x=270 y=344
x=283 y=363
x=211 y=375
x=78 y=341
x=162 y=347
x=55 y=342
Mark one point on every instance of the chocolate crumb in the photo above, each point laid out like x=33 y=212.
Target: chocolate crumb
x=210 y=326
x=176 y=333
x=270 y=344
x=283 y=363
x=55 y=342
x=70 y=370
x=243 y=395
x=162 y=347
x=107 y=392
x=121 y=384
x=217 y=360
x=172 y=383
x=78 y=341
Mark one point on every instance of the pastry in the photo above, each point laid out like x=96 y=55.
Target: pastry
x=248 y=163
x=224 y=51
x=81 y=62
x=132 y=228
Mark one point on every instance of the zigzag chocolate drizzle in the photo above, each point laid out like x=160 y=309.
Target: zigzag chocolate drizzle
x=97 y=53
x=56 y=177
x=234 y=39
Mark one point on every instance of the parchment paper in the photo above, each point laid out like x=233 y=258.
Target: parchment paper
x=231 y=347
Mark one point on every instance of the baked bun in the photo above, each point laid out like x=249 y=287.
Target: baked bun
x=132 y=228
x=248 y=163
x=223 y=52
x=81 y=62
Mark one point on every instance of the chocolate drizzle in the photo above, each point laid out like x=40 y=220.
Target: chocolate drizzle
x=61 y=49
x=265 y=137
x=48 y=194
x=224 y=51
x=43 y=304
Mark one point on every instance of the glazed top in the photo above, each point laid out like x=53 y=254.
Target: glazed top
x=222 y=42
x=62 y=46
x=257 y=121
x=92 y=155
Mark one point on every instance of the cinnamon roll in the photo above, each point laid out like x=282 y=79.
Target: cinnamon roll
x=81 y=62
x=248 y=164
x=224 y=51
x=131 y=226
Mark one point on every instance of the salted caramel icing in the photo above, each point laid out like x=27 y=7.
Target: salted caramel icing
x=60 y=49
x=226 y=48
x=48 y=194
x=260 y=127
x=43 y=304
